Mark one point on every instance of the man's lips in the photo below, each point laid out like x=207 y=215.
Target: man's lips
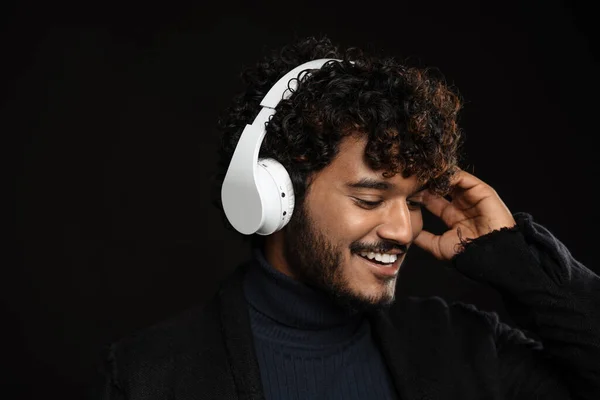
x=396 y=252
x=382 y=270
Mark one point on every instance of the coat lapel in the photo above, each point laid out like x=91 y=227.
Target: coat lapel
x=413 y=346
x=239 y=342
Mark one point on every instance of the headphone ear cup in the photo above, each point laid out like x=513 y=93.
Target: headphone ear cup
x=277 y=195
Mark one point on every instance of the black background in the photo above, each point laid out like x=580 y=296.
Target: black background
x=110 y=109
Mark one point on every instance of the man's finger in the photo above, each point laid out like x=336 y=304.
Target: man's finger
x=468 y=189
x=464 y=180
x=429 y=242
x=441 y=208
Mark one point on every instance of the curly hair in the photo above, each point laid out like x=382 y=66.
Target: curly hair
x=408 y=114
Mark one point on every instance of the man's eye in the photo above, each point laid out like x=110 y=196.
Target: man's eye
x=414 y=205
x=368 y=204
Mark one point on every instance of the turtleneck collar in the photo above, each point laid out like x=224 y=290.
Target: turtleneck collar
x=286 y=308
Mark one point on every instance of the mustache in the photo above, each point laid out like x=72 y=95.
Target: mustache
x=378 y=247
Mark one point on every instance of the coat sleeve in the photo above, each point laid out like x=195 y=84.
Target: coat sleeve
x=554 y=352
x=105 y=384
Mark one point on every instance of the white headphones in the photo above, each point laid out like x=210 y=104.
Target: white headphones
x=257 y=195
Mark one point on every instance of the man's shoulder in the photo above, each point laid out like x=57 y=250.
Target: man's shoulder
x=193 y=330
x=187 y=350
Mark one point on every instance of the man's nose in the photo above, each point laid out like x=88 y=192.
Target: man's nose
x=396 y=224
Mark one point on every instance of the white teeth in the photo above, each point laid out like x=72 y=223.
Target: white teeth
x=383 y=258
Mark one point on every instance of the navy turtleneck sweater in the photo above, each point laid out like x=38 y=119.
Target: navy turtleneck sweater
x=307 y=346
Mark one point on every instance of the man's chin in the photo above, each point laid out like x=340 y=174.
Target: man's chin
x=355 y=303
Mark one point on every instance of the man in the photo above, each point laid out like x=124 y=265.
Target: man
x=365 y=143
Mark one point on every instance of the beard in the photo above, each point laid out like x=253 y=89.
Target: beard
x=318 y=263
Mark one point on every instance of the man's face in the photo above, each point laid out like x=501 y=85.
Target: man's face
x=333 y=236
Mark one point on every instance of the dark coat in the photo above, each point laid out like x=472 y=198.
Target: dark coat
x=434 y=350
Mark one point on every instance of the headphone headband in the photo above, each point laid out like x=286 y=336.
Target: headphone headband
x=285 y=86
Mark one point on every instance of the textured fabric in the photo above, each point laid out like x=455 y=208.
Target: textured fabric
x=307 y=346
x=433 y=350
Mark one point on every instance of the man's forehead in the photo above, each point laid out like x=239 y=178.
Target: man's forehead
x=351 y=168
x=381 y=183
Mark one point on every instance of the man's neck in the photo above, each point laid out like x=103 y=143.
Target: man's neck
x=274 y=254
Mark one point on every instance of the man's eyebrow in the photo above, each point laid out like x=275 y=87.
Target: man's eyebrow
x=370 y=183
x=422 y=187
